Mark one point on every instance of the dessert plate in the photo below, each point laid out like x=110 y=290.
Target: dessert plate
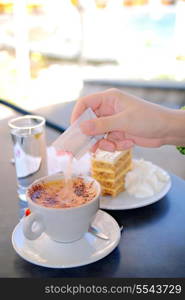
x=48 y=253
x=125 y=201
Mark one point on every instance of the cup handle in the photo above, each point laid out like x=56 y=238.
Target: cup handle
x=28 y=223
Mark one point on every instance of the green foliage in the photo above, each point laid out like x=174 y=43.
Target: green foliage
x=179 y=148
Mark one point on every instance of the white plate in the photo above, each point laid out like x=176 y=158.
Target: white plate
x=48 y=253
x=125 y=201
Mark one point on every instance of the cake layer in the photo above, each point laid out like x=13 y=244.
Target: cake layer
x=113 y=192
x=110 y=168
x=105 y=174
x=97 y=164
x=111 y=184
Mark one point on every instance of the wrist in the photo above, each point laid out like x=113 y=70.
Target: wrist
x=175 y=128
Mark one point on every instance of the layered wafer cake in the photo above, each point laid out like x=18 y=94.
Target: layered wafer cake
x=110 y=169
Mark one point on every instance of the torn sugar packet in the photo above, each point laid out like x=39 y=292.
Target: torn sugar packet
x=73 y=141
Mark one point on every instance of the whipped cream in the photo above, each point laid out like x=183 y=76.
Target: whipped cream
x=107 y=156
x=145 y=179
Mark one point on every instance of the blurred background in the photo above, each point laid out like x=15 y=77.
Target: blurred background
x=54 y=51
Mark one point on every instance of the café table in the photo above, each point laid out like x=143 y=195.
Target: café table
x=152 y=243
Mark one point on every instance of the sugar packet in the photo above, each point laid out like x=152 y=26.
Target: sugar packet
x=73 y=140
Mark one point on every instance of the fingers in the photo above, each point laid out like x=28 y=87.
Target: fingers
x=148 y=142
x=93 y=101
x=124 y=145
x=114 y=141
x=107 y=145
x=100 y=125
x=112 y=146
x=116 y=135
x=120 y=140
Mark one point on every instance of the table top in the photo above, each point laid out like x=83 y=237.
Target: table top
x=152 y=243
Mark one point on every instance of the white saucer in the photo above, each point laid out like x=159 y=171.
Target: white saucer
x=125 y=201
x=48 y=253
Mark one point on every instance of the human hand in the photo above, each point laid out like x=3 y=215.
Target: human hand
x=126 y=120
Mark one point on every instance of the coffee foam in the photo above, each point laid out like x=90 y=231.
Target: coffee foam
x=52 y=194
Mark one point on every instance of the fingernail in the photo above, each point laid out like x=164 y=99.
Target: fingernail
x=107 y=146
x=88 y=127
x=110 y=148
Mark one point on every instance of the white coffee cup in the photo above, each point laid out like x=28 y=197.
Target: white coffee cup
x=60 y=224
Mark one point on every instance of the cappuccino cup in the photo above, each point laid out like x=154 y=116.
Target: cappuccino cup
x=61 y=224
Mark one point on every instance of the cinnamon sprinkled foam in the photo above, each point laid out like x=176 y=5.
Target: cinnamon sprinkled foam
x=52 y=194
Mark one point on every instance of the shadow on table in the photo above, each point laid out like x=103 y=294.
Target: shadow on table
x=102 y=268
x=142 y=216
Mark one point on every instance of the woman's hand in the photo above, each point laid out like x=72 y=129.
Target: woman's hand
x=129 y=120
